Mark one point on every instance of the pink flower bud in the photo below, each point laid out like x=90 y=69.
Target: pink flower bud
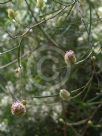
x=18 y=108
x=70 y=57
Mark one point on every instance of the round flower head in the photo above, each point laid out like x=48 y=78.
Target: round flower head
x=18 y=108
x=65 y=95
x=70 y=57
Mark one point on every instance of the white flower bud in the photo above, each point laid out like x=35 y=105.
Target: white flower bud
x=65 y=95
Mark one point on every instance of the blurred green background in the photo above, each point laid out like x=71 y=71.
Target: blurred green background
x=37 y=38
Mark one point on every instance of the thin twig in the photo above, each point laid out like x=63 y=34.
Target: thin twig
x=90 y=118
x=5 y=2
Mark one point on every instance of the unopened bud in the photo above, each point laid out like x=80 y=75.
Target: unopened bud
x=61 y=120
x=90 y=122
x=18 y=108
x=70 y=57
x=93 y=58
x=18 y=70
x=40 y=4
x=60 y=21
x=64 y=94
x=11 y=14
x=24 y=102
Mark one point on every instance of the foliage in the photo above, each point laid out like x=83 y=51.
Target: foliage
x=33 y=43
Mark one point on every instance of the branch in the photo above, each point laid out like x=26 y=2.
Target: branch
x=6 y=2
